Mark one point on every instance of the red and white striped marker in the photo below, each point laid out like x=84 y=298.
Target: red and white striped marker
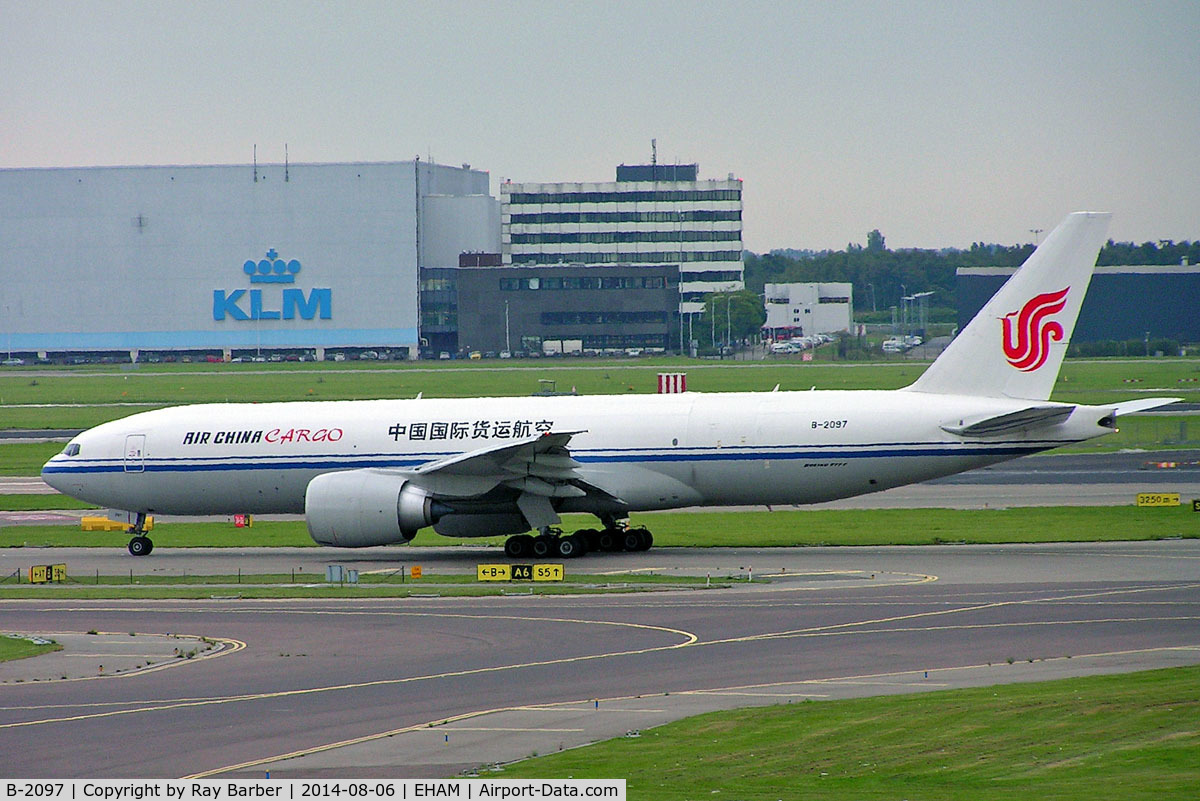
x=672 y=382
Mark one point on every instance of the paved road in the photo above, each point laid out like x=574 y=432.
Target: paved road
x=353 y=686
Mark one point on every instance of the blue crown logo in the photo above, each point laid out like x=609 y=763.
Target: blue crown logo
x=271 y=270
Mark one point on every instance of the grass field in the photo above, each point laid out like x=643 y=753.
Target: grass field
x=390 y=584
x=1132 y=736
x=21 y=648
x=35 y=503
x=714 y=529
x=152 y=385
x=26 y=458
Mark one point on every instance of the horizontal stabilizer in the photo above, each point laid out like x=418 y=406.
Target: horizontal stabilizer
x=995 y=425
x=1142 y=405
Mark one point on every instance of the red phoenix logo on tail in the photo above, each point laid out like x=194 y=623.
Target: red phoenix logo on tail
x=1033 y=331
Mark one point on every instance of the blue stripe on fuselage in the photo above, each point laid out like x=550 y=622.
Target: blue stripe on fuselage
x=609 y=456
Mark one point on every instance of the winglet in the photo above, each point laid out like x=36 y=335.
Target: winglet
x=1016 y=343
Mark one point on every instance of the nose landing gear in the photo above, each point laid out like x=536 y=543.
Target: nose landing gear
x=140 y=544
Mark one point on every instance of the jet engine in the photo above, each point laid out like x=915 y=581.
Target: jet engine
x=359 y=508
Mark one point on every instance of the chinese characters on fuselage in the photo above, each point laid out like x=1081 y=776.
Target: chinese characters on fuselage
x=461 y=429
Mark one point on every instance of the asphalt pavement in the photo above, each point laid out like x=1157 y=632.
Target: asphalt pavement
x=440 y=686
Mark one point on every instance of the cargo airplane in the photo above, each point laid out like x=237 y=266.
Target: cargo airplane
x=376 y=472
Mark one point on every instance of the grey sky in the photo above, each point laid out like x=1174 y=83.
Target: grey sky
x=938 y=123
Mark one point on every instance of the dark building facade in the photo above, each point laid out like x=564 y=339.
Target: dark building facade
x=558 y=308
x=1122 y=303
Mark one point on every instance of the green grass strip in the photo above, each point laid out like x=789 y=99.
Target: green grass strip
x=781 y=528
x=41 y=503
x=1131 y=736
x=26 y=458
x=390 y=578
x=145 y=586
x=17 y=647
x=1096 y=381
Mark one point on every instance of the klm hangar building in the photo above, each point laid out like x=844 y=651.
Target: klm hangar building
x=133 y=261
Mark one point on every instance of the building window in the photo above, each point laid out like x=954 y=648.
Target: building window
x=609 y=237
x=555 y=217
x=712 y=276
x=660 y=257
x=647 y=196
x=604 y=318
x=586 y=282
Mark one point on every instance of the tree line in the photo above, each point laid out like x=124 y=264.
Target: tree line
x=881 y=276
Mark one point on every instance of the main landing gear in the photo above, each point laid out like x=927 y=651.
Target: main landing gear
x=551 y=544
x=140 y=545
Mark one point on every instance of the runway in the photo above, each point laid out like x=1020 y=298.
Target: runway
x=328 y=688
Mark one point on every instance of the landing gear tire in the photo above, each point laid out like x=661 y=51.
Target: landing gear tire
x=631 y=540
x=519 y=546
x=645 y=539
x=571 y=547
x=610 y=540
x=543 y=546
x=591 y=537
x=140 y=545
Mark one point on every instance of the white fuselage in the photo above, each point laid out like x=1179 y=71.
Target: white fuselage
x=651 y=452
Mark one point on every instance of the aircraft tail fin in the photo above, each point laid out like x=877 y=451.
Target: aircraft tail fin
x=1015 y=345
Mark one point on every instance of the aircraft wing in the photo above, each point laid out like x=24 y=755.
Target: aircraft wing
x=998 y=424
x=540 y=466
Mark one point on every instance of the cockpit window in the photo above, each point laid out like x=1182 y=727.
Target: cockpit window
x=72 y=449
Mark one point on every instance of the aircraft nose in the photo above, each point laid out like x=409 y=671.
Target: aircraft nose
x=51 y=476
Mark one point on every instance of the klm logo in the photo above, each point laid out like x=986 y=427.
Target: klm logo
x=243 y=304
x=271 y=270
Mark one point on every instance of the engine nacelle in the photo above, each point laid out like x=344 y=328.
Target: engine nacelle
x=359 y=508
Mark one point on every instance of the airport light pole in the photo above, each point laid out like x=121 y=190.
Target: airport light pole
x=712 y=320
x=728 y=333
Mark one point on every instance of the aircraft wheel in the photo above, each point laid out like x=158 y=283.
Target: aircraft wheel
x=140 y=546
x=570 y=547
x=645 y=539
x=591 y=538
x=609 y=540
x=543 y=546
x=631 y=540
x=518 y=546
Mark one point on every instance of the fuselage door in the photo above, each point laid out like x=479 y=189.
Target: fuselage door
x=135 y=453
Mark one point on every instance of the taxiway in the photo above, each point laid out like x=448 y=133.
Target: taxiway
x=433 y=686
